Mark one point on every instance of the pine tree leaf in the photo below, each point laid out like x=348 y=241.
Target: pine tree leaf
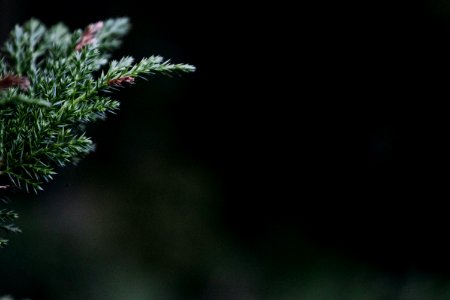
x=52 y=83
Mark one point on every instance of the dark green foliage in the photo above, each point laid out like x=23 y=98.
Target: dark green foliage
x=52 y=83
x=6 y=219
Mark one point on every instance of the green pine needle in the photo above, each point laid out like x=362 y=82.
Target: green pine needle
x=52 y=83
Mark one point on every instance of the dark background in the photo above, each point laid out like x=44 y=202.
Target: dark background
x=239 y=181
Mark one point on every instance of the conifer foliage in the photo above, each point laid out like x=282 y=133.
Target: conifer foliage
x=52 y=83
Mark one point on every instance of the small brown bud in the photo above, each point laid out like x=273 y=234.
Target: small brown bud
x=10 y=81
x=88 y=36
x=121 y=80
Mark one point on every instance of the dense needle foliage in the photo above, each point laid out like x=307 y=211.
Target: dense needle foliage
x=52 y=83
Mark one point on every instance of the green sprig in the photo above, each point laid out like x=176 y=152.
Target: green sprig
x=42 y=123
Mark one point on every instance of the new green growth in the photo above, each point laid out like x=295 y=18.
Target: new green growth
x=53 y=82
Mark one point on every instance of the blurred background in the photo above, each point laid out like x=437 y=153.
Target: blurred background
x=237 y=182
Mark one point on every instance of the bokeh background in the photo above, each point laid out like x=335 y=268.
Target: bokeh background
x=237 y=182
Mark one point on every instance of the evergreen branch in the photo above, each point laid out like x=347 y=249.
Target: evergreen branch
x=15 y=99
x=21 y=48
x=10 y=228
x=154 y=64
x=53 y=83
x=7 y=216
x=110 y=37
